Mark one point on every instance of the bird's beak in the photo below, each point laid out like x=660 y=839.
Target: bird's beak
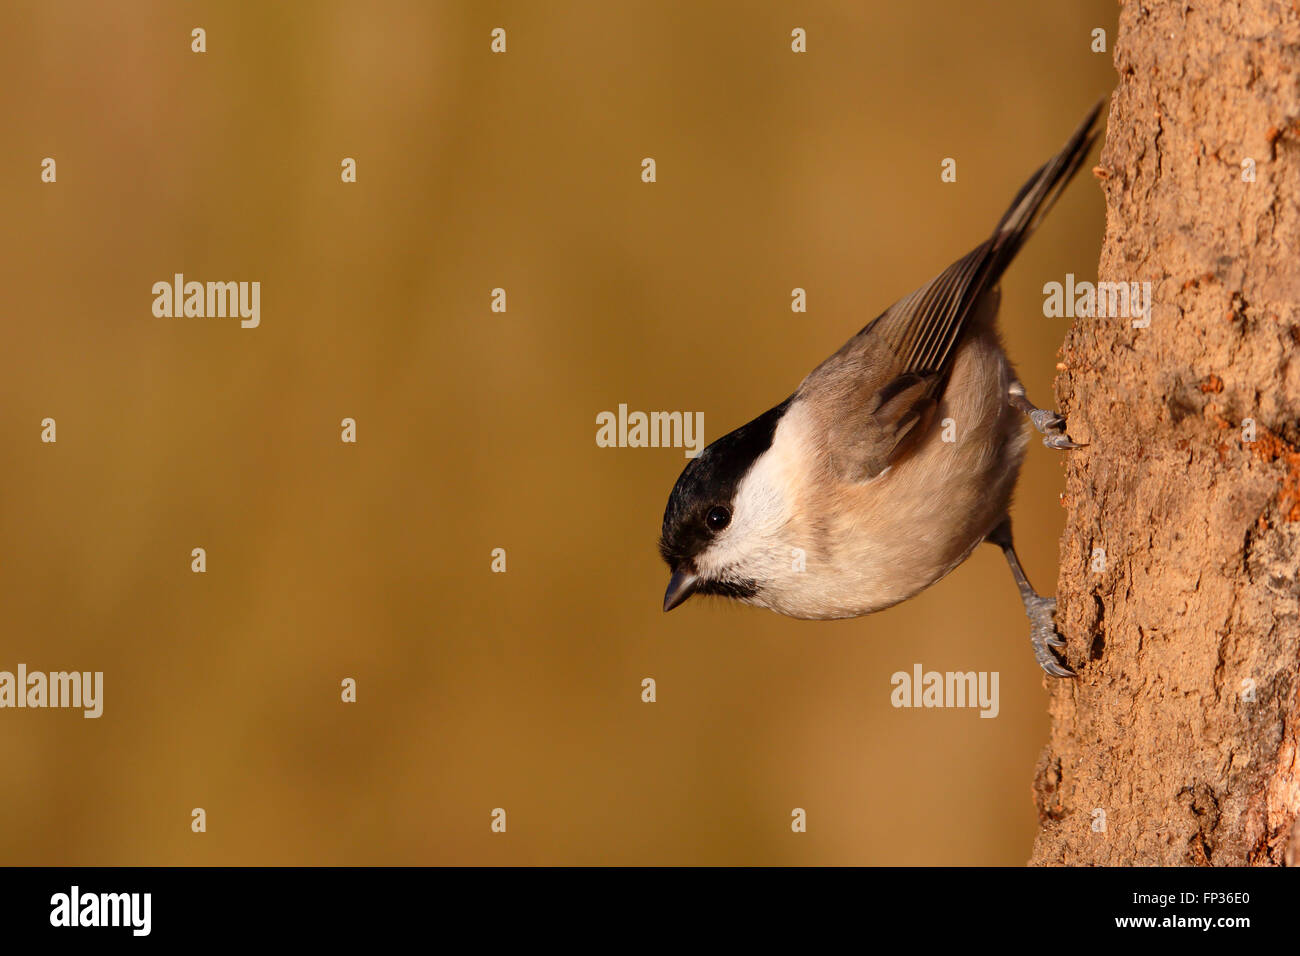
x=680 y=586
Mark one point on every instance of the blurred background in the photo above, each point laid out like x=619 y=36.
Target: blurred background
x=476 y=430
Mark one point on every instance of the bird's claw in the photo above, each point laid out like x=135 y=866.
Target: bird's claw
x=1046 y=420
x=1044 y=637
x=1062 y=442
x=1052 y=427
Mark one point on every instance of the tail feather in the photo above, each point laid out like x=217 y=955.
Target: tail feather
x=1017 y=224
x=1037 y=196
x=923 y=328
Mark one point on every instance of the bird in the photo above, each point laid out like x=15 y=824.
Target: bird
x=892 y=460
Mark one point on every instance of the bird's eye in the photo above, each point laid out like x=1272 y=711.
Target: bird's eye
x=717 y=518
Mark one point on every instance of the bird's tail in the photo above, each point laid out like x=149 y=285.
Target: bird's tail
x=1037 y=196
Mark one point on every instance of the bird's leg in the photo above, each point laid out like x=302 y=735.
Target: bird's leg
x=1041 y=610
x=1049 y=423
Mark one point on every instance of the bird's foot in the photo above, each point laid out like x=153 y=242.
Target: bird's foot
x=1044 y=637
x=1052 y=427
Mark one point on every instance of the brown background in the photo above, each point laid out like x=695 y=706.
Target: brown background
x=476 y=430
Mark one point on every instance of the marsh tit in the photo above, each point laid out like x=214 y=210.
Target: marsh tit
x=892 y=460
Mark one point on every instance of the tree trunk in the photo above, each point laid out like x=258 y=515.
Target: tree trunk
x=1178 y=589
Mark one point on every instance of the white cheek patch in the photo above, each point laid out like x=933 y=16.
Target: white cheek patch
x=760 y=518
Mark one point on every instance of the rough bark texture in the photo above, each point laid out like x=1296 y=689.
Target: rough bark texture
x=1198 y=599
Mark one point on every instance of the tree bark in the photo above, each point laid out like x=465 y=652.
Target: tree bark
x=1178 y=589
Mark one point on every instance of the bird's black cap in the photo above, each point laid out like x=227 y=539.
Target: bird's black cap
x=709 y=480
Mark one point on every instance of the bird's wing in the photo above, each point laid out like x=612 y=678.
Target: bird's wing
x=877 y=393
